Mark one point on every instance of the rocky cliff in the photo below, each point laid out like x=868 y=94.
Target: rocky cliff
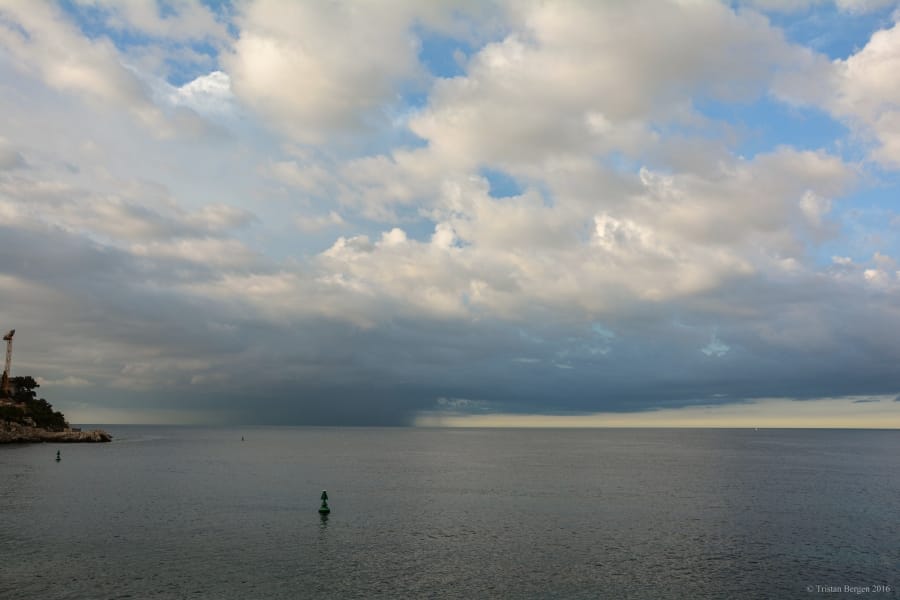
x=14 y=433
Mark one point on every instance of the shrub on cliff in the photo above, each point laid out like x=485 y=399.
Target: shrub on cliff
x=38 y=409
x=44 y=416
x=12 y=413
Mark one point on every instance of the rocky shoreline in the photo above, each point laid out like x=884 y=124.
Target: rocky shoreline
x=14 y=433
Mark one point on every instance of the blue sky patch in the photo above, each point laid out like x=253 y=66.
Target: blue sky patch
x=442 y=56
x=831 y=31
x=502 y=185
x=766 y=124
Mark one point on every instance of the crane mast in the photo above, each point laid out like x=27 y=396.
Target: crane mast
x=4 y=384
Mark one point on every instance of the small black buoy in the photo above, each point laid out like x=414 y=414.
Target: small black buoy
x=324 y=510
x=57 y=456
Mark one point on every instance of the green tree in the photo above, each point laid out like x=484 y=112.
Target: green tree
x=23 y=388
x=39 y=410
x=44 y=416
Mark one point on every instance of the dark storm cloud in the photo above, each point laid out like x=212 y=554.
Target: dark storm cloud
x=201 y=354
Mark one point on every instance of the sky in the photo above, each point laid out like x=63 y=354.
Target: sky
x=395 y=212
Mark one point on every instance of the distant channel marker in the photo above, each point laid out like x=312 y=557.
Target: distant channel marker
x=324 y=510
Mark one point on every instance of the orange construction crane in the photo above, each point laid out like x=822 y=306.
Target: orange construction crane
x=4 y=385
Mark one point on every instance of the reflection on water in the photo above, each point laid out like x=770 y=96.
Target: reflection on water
x=179 y=512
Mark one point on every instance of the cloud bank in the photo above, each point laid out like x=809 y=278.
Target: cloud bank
x=358 y=213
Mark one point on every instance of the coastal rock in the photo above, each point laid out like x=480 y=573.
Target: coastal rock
x=14 y=433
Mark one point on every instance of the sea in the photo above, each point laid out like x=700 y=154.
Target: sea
x=222 y=513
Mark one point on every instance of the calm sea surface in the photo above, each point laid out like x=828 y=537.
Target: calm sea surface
x=424 y=513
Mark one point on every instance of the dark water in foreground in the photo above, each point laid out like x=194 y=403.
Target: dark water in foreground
x=196 y=513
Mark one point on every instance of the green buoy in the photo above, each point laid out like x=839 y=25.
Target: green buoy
x=324 y=510
x=57 y=456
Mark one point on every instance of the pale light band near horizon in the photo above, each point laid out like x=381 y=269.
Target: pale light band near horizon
x=854 y=412
x=851 y=412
